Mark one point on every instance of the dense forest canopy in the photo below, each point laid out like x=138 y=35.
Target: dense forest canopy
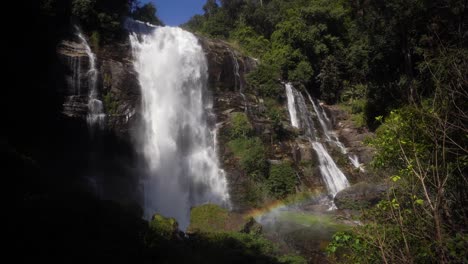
x=370 y=51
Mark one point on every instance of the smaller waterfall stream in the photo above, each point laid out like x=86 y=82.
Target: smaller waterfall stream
x=291 y=105
x=237 y=80
x=326 y=125
x=333 y=177
x=95 y=107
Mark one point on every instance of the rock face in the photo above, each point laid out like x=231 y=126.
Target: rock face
x=360 y=195
x=118 y=83
x=221 y=65
x=72 y=55
x=119 y=90
x=351 y=135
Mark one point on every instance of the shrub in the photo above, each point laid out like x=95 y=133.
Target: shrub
x=250 y=41
x=208 y=218
x=281 y=181
x=265 y=80
x=240 y=126
x=162 y=228
x=251 y=155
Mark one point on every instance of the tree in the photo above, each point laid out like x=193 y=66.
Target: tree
x=210 y=8
x=147 y=13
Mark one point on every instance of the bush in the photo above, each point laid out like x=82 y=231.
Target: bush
x=208 y=218
x=302 y=73
x=162 y=228
x=240 y=126
x=254 y=44
x=110 y=103
x=281 y=181
x=265 y=80
x=251 y=155
x=147 y=13
x=95 y=40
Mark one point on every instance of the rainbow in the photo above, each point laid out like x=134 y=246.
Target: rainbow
x=290 y=200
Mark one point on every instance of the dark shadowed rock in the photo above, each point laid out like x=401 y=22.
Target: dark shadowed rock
x=360 y=195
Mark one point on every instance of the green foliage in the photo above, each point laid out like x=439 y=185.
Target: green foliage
x=281 y=180
x=253 y=43
x=275 y=113
x=251 y=155
x=292 y=259
x=162 y=228
x=302 y=73
x=249 y=244
x=110 y=103
x=253 y=193
x=95 y=40
x=210 y=8
x=265 y=81
x=84 y=9
x=240 y=126
x=208 y=218
x=330 y=80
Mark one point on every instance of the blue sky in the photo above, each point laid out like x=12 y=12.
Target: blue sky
x=176 y=12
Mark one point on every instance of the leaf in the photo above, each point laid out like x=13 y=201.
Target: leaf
x=395 y=178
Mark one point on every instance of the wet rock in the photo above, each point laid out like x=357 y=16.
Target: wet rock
x=360 y=195
x=351 y=135
x=73 y=58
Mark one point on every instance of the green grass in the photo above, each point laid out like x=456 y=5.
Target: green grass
x=313 y=220
x=208 y=218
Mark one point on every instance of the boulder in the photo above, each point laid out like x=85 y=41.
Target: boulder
x=360 y=195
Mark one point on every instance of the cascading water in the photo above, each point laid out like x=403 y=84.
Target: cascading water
x=95 y=107
x=238 y=80
x=325 y=123
x=178 y=143
x=291 y=105
x=334 y=178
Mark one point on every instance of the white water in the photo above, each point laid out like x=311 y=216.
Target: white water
x=291 y=105
x=325 y=123
x=333 y=177
x=178 y=143
x=237 y=80
x=95 y=107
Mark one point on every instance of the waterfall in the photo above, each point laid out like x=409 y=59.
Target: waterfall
x=333 y=177
x=326 y=125
x=179 y=131
x=237 y=79
x=291 y=105
x=95 y=107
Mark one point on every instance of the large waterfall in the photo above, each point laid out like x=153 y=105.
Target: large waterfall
x=179 y=132
x=333 y=177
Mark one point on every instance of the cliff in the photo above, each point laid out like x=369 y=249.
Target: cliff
x=227 y=69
